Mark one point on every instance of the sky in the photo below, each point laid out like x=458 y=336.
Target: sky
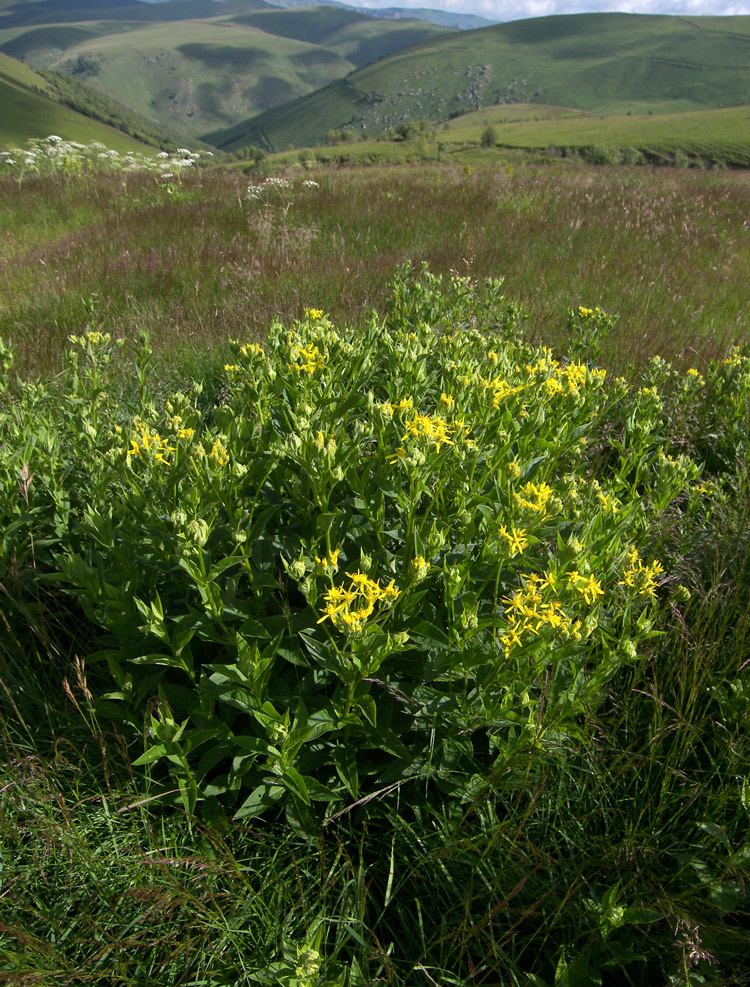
x=511 y=10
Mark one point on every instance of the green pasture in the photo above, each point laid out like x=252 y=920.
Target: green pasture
x=29 y=111
x=715 y=135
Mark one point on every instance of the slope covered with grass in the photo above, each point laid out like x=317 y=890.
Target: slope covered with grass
x=191 y=75
x=720 y=135
x=354 y=36
x=605 y=63
x=196 y=65
x=31 y=109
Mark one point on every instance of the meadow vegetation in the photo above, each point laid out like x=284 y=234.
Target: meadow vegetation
x=367 y=619
x=200 y=262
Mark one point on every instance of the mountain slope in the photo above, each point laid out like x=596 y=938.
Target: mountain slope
x=30 y=110
x=195 y=65
x=599 y=62
x=355 y=36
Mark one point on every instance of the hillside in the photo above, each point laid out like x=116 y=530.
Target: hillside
x=445 y=18
x=30 y=108
x=721 y=135
x=198 y=65
x=604 y=63
x=355 y=36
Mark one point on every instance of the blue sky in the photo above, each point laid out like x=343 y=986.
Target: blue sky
x=510 y=10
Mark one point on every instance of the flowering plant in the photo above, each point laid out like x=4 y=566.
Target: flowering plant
x=397 y=554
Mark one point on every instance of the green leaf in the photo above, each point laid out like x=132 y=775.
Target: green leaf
x=261 y=798
x=151 y=755
x=295 y=782
x=345 y=762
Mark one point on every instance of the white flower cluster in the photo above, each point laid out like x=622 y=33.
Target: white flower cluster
x=53 y=155
x=275 y=190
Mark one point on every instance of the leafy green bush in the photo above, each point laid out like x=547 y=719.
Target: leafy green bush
x=488 y=137
x=383 y=557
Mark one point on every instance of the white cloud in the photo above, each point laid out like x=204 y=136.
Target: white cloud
x=510 y=10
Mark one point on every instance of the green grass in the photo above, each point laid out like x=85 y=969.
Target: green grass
x=664 y=251
x=605 y=63
x=30 y=110
x=711 y=135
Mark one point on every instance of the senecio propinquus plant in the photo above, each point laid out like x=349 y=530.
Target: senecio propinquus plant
x=388 y=556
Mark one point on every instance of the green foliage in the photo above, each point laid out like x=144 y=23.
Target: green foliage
x=602 y=155
x=378 y=561
x=406 y=580
x=488 y=137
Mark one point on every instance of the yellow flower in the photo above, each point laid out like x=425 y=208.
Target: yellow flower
x=219 y=454
x=516 y=539
x=420 y=566
x=587 y=586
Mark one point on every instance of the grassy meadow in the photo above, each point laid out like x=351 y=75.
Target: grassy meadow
x=664 y=250
x=374 y=576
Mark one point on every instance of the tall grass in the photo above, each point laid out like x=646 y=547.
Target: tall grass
x=665 y=251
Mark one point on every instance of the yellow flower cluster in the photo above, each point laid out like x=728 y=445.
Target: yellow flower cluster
x=251 y=349
x=587 y=586
x=501 y=389
x=150 y=443
x=420 y=565
x=329 y=561
x=639 y=576
x=307 y=359
x=437 y=430
x=535 y=497
x=516 y=539
x=528 y=612
x=93 y=337
x=219 y=454
x=349 y=608
x=389 y=408
x=735 y=360
x=587 y=313
x=314 y=313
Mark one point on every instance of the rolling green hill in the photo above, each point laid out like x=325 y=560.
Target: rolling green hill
x=711 y=135
x=192 y=74
x=198 y=65
x=605 y=63
x=354 y=36
x=30 y=109
x=445 y=18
